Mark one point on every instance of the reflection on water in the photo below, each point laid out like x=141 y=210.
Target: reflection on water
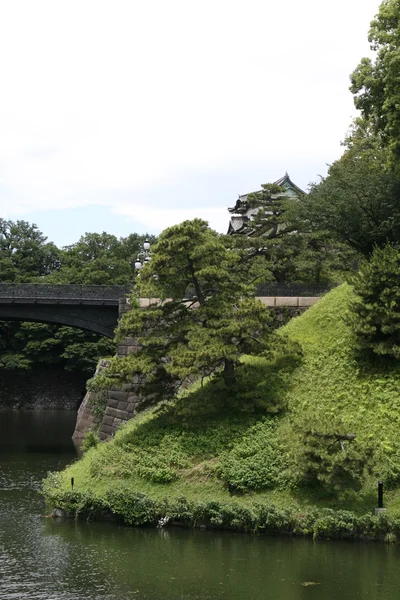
x=47 y=431
x=47 y=559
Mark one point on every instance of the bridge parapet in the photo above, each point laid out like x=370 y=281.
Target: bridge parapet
x=280 y=301
x=285 y=290
x=272 y=301
x=90 y=307
x=43 y=293
x=97 y=308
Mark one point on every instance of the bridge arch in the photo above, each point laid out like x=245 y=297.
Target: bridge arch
x=93 y=308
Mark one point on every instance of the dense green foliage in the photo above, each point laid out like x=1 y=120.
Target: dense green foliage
x=25 y=254
x=316 y=427
x=99 y=259
x=271 y=234
x=375 y=82
x=29 y=345
x=374 y=316
x=138 y=508
x=182 y=339
x=257 y=462
x=337 y=388
x=27 y=257
x=282 y=243
x=359 y=201
x=327 y=455
x=91 y=440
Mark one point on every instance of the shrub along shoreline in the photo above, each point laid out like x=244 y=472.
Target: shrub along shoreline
x=138 y=509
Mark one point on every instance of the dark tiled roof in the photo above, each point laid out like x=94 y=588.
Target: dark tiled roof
x=284 y=182
x=236 y=223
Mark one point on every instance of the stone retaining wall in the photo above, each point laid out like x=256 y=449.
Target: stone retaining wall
x=41 y=389
x=122 y=405
x=122 y=402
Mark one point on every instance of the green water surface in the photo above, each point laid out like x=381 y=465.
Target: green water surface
x=41 y=558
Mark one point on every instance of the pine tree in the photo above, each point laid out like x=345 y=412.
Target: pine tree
x=375 y=312
x=205 y=317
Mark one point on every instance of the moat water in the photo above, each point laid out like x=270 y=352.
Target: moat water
x=47 y=559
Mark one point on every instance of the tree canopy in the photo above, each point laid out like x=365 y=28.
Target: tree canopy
x=375 y=82
x=99 y=259
x=27 y=257
x=281 y=242
x=205 y=319
x=25 y=253
x=359 y=200
x=374 y=315
x=272 y=232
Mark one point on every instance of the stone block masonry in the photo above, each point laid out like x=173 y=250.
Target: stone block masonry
x=117 y=414
x=122 y=402
x=41 y=389
x=86 y=419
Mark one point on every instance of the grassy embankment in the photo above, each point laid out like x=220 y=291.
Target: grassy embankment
x=240 y=462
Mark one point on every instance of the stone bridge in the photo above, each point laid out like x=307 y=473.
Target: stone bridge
x=97 y=308
x=92 y=307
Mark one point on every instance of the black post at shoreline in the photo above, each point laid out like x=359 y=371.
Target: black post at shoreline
x=380 y=494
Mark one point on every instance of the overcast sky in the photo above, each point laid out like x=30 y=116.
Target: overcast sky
x=133 y=115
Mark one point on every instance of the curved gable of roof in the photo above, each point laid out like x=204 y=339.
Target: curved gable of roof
x=285 y=182
x=288 y=184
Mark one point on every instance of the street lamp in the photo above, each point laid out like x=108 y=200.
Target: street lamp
x=143 y=256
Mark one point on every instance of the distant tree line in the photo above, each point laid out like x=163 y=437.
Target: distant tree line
x=27 y=257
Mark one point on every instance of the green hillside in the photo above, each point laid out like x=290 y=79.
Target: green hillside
x=278 y=455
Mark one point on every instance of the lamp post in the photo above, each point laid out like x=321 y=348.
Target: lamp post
x=143 y=256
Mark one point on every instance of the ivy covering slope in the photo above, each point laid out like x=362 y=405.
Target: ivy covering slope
x=283 y=444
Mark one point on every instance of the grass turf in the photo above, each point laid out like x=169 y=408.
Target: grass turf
x=207 y=445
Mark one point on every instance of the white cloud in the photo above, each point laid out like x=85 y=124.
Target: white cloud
x=129 y=95
x=157 y=219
